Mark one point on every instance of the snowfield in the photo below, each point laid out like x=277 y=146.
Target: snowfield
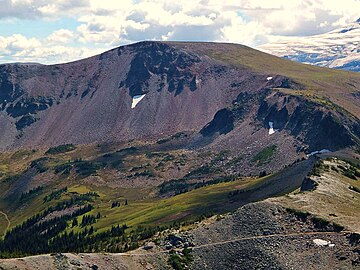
x=136 y=100
x=339 y=48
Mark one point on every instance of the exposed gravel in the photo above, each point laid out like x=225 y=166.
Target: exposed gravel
x=289 y=250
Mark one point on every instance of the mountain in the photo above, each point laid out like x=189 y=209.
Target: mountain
x=159 y=152
x=338 y=49
x=182 y=87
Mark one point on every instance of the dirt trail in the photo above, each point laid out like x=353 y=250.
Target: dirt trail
x=134 y=254
x=8 y=221
x=236 y=240
x=266 y=236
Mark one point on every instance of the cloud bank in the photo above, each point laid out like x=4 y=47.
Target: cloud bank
x=101 y=25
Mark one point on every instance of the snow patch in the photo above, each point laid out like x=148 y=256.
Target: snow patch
x=323 y=243
x=136 y=100
x=271 y=130
x=323 y=151
x=269 y=78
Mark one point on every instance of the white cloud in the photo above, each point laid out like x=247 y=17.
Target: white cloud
x=298 y=17
x=17 y=48
x=34 y=9
x=251 y=33
x=105 y=23
x=61 y=36
x=17 y=43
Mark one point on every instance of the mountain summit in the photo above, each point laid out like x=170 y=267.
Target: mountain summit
x=339 y=48
x=151 y=90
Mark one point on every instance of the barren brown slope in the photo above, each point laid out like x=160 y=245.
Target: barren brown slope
x=185 y=85
x=340 y=87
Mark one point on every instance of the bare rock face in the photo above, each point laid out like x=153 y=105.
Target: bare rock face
x=318 y=127
x=181 y=88
x=308 y=184
x=170 y=67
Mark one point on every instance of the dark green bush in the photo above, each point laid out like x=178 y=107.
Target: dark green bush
x=60 y=149
x=264 y=156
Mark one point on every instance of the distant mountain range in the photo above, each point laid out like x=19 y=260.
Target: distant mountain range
x=339 y=48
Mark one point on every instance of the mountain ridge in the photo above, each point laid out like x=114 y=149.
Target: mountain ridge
x=79 y=102
x=338 y=48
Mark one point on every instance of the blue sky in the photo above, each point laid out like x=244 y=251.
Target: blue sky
x=36 y=28
x=64 y=30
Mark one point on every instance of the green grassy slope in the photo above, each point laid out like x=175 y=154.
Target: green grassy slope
x=142 y=209
x=146 y=206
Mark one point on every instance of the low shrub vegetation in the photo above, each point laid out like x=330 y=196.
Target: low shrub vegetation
x=60 y=149
x=264 y=156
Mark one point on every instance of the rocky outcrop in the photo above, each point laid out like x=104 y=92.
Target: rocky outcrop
x=172 y=69
x=268 y=236
x=308 y=184
x=222 y=123
x=316 y=125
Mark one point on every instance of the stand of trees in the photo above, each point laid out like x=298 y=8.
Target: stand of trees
x=34 y=235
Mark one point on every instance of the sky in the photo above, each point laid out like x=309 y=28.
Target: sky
x=57 y=31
